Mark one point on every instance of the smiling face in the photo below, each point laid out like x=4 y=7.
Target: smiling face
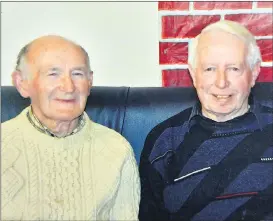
x=60 y=79
x=222 y=77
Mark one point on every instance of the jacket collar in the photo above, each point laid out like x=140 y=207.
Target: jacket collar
x=255 y=108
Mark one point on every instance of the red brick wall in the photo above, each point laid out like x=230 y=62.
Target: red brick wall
x=181 y=21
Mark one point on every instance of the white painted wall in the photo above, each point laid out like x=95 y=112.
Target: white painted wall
x=120 y=37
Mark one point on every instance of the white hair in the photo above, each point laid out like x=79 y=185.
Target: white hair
x=253 y=54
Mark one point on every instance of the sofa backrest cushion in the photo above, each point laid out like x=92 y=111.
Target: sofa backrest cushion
x=131 y=111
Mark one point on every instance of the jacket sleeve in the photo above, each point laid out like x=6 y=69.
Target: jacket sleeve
x=128 y=195
x=151 y=204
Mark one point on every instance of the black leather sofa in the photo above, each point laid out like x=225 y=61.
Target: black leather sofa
x=131 y=111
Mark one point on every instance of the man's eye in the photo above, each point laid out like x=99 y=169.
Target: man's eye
x=78 y=73
x=233 y=69
x=210 y=69
x=52 y=74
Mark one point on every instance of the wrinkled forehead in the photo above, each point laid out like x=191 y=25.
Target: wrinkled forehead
x=55 y=53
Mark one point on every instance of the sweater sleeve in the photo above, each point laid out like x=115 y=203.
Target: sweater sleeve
x=126 y=205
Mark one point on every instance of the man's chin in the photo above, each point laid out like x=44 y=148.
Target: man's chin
x=220 y=111
x=66 y=115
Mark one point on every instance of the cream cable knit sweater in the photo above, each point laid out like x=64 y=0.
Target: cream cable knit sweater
x=91 y=175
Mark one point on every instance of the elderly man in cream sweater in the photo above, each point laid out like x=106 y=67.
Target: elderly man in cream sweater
x=57 y=164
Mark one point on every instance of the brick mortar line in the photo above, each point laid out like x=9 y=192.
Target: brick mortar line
x=175 y=40
x=254 y=5
x=216 y=12
x=159 y=27
x=173 y=67
x=191 y=8
x=185 y=40
x=267 y=64
x=263 y=37
x=185 y=66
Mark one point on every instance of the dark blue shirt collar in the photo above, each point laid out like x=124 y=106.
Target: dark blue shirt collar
x=255 y=108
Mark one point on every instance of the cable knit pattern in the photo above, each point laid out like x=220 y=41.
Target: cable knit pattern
x=91 y=175
x=33 y=172
x=62 y=188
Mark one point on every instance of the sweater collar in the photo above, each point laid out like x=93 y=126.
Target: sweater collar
x=38 y=125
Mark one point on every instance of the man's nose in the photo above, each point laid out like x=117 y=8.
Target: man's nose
x=221 y=80
x=67 y=84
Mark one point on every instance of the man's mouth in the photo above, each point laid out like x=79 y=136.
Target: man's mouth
x=66 y=100
x=222 y=97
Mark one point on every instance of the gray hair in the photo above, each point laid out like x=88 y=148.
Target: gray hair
x=254 y=54
x=22 y=63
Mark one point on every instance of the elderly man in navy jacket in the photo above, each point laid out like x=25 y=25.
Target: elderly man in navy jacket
x=214 y=160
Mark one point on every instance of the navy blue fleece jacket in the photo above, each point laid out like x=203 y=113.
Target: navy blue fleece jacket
x=193 y=168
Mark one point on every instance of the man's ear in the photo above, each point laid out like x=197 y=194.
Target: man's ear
x=255 y=73
x=21 y=83
x=193 y=74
